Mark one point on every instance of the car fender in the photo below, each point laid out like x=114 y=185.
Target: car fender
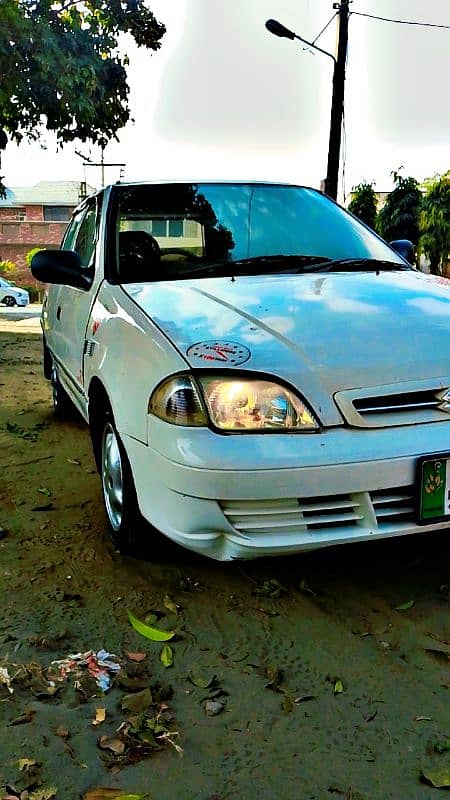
x=129 y=355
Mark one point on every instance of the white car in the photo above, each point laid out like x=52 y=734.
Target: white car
x=12 y=295
x=260 y=372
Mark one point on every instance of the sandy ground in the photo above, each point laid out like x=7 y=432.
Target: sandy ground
x=277 y=663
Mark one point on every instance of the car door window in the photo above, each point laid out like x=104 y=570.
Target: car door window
x=85 y=236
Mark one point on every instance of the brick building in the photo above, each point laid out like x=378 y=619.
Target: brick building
x=35 y=216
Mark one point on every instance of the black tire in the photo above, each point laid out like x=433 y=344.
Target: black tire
x=118 y=490
x=9 y=301
x=62 y=404
x=47 y=361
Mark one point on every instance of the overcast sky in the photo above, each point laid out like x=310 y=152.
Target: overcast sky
x=224 y=98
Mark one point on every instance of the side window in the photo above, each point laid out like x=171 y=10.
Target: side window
x=85 y=237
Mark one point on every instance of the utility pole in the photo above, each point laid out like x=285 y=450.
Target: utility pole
x=337 y=103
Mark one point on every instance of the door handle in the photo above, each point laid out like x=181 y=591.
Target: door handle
x=58 y=312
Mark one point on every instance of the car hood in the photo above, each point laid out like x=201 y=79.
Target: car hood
x=323 y=333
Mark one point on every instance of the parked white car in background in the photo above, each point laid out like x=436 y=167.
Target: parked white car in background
x=11 y=295
x=260 y=372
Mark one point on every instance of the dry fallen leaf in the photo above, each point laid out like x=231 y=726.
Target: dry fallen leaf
x=100 y=716
x=25 y=763
x=136 y=656
x=62 y=732
x=116 y=746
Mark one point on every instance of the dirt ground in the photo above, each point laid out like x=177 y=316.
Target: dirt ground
x=326 y=689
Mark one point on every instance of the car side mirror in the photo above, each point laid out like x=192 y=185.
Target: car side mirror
x=406 y=249
x=61 y=267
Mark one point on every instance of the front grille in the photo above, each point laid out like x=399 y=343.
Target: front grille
x=389 y=407
x=394 y=506
x=410 y=401
x=377 y=510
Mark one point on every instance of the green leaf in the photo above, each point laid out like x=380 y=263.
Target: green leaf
x=170 y=604
x=166 y=655
x=405 y=606
x=202 y=681
x=150 y=633
x=338 y=687
x=439 y=778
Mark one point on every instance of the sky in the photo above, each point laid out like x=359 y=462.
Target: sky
x=223 y=98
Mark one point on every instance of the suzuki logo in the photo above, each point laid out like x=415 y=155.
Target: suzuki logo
x=444 y=400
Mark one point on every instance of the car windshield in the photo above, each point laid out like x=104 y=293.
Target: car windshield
x=183 y=230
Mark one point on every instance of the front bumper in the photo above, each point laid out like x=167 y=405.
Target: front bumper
x=258 y=511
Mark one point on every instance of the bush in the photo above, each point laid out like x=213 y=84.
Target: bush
x=34 y=293
x=7 y=267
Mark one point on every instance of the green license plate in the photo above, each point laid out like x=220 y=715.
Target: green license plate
x=433 y=488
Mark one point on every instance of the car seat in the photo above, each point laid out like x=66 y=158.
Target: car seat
x=139 y=257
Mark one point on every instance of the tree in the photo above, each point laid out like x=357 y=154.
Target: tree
x=364 y=203
x=435 y=222
x=399 y=217
x=61 y=68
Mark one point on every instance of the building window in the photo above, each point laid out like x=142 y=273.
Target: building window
x=57 y=213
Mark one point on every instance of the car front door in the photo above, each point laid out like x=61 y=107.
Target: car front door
x=72 y=306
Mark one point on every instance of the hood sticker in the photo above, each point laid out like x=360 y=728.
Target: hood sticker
x=223 y=352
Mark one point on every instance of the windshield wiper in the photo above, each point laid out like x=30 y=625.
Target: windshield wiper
x=358 y=265
x=257 y=265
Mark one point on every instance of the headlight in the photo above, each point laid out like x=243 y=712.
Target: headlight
x=177 y=400
x=253 y=404
x=233 y=404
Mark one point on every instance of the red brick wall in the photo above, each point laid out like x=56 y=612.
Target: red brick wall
x=21 y=229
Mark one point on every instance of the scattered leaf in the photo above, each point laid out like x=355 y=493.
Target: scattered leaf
x=305 y=698
x=23 y=718
x=116 y=746
x=43 y=794
x=338 y=687
x=405 y=606
x=74 y=461
x=214 y=707
x=25 y=763
x=149 y=632
x=439 y=778
x=100 y=716
x=422 y=719
x=136 y=656
x=63 y=733
x=166 y=655
x=137 y=702
x=202 y=681
x=170 y=604
x=44 y=490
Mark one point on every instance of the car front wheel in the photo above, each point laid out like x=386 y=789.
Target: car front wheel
x=119 y=493
x=10 y=301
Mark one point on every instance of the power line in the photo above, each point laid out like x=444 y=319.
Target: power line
x=400 y=21
x=325 y=27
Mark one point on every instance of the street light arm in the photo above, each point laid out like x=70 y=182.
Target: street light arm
x=277 y=29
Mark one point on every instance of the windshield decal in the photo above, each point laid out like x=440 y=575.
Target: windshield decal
x=222 y=351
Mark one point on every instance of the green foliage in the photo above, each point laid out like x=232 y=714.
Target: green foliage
x=364 y=203
x=7 y=268
x=31 y=253
x=399 y=217
x=34 y=292
x=61 y=67
x=435 y=222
